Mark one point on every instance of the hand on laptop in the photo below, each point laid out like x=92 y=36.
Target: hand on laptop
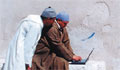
x=77 y=58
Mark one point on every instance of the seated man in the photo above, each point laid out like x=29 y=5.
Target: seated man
x=53 y=50
x=23 y=44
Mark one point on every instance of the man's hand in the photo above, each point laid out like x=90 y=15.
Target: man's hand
x=27 y=67
x=77 y=58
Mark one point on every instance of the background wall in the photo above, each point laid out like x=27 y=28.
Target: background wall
x=93 y=24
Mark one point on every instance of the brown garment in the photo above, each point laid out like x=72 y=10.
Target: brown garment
x=53 y=50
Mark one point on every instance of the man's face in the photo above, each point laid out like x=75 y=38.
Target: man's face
x=48 y=21
x=62 y=23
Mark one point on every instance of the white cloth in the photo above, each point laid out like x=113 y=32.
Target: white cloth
x=23 y=44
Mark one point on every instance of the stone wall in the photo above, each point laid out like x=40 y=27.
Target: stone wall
x=93 y=24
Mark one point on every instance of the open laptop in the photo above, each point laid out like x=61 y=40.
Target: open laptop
x=83 y=61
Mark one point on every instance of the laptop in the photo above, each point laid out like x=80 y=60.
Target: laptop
x=83 y=61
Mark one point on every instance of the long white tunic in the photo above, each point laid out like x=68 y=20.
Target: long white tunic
x=23 y=44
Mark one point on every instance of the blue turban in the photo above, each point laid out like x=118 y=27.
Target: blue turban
x=49 y=13
x=63 y=16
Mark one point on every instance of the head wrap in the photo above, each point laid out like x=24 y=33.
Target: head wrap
x=49 y=13
x=63 y=16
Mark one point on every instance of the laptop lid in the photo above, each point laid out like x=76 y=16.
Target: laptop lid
x=83 y=61
x=89 y=55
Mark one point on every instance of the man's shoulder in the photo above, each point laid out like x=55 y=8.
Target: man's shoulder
x=65 y=29
x=33 y=15
x=34 y=18
x=53 y=29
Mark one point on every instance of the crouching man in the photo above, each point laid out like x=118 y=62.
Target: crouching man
x=53 y=50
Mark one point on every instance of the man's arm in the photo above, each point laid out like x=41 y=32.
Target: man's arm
x=66 y=41
x=31 y=40
x=56 y=43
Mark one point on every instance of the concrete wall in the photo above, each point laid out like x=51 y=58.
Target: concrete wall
x=87 y=17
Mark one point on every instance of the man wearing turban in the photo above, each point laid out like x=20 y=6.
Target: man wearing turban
x=53 y=50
